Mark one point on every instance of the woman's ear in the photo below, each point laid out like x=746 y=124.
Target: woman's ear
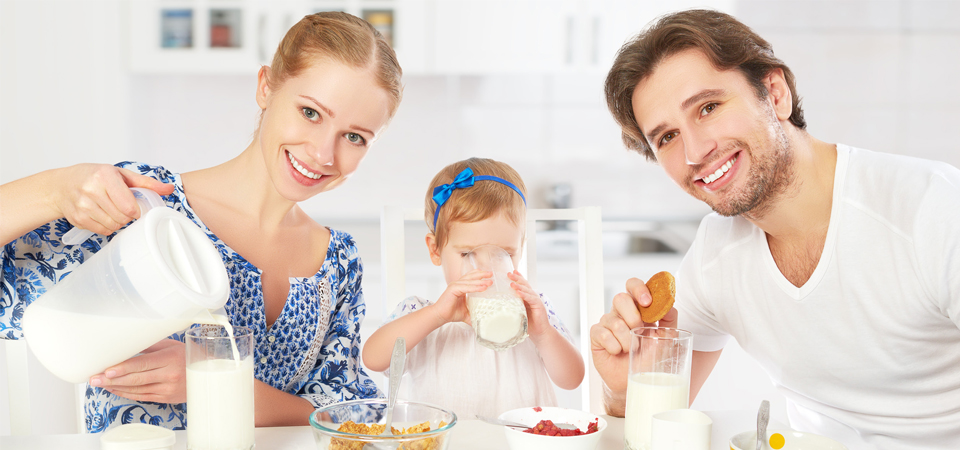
x=263 y=88
x=432 y=248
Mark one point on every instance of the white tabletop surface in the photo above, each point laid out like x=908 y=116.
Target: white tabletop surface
x=466 y=435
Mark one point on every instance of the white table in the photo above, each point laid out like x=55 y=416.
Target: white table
x=466 y=435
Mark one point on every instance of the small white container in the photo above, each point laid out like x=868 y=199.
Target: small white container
x=138 y=436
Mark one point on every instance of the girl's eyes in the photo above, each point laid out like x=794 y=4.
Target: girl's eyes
x=310 y=113
x=356 y=139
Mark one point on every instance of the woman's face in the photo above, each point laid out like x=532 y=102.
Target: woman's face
x=317 y=127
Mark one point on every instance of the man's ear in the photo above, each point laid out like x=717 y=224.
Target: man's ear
x=432 y=248
x=263 y=88
x=778 y=93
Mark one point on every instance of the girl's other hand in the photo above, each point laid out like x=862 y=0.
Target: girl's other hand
x=97 y=196
x=537 y=321
x=452 y=304
x=158 y=374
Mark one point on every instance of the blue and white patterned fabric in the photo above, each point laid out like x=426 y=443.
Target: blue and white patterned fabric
x=312 y=350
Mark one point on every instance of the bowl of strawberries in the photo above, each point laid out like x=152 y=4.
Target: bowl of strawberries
x=552 y=428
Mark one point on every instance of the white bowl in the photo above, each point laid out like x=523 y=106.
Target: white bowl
x=785 y=440
x=518 y=440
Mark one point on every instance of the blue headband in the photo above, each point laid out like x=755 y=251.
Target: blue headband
x=464 y=180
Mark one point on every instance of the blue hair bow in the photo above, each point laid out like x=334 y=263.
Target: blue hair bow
x=465 y=179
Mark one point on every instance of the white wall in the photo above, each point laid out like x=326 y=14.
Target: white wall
x=875 y=74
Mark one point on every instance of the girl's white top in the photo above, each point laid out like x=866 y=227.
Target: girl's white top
x=450 y=369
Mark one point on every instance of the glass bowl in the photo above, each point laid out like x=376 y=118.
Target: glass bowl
x=326 y=421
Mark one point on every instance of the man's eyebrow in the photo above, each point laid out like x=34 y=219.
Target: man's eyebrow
x=332 y=115
x=694 y=99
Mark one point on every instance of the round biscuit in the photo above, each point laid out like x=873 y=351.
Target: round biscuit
x=663 y=289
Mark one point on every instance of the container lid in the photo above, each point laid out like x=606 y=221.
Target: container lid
x=138 y=436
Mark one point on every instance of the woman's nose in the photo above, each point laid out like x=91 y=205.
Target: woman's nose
x=697 y=145
x=323 y=148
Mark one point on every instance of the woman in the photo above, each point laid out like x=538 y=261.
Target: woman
x=331 y=89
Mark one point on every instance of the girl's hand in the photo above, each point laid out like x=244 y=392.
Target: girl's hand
x=452 y=304
x=537 y=321
x=158 y=374
x=97 y=197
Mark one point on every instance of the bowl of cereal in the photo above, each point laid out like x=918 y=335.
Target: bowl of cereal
x=351 y=425
x=551 y=428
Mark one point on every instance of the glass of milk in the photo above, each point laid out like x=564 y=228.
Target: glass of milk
x=219 y=387
x=658 y=379
x=498 y=315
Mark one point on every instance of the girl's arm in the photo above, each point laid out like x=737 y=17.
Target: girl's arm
x=560 y=358
x=450 y=307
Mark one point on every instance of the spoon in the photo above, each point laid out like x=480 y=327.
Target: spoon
x=396 y=372
x=507 y=423
x=763 y=416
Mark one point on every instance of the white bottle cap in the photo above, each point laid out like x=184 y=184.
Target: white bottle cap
x=138 y=436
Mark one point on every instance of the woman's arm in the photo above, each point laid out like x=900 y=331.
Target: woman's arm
x=95 y=197
x=275 y=408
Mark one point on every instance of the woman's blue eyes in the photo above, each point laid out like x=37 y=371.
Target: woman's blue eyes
x=310 y=113
x=355 y=138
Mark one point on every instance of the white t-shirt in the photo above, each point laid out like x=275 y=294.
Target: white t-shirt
x=867 y=351
x=449 y=369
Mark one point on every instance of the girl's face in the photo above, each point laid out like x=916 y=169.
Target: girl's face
x=317 y=127
x=463 y=237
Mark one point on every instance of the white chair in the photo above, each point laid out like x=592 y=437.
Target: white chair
x=19 y=390
x=590 y=269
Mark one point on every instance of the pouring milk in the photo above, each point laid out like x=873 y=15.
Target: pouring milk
x=150 y=281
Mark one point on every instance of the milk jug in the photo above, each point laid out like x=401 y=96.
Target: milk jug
x=150 y=281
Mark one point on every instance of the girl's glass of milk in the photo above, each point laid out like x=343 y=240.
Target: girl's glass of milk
x=658 y=379
x=219 y=388
x=498 y=315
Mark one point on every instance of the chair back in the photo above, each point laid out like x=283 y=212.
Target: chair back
x=20 y=390
x=590 y=270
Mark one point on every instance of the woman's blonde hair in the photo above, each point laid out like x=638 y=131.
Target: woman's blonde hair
x=339 y=37
x=483 y=200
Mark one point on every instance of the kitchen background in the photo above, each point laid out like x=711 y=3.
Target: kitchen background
x=171 y=82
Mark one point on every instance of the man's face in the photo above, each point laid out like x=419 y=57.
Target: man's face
x=712 y=134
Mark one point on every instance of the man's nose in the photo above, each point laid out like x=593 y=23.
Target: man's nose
x=697 y=145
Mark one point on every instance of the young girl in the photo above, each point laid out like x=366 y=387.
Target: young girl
x=330 y=91
x=447 y=366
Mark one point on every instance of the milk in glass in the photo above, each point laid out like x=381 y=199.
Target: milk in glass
x=649 y=394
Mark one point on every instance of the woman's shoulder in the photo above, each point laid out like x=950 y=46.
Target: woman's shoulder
x=159 y=172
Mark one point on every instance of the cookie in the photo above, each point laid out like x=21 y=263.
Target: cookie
x=663 y=289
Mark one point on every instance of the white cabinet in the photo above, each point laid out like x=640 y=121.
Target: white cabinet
x=233 y=36
x=430 y=36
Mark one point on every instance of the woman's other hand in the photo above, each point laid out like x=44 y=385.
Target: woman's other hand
x=158 y=374
x=97 y=197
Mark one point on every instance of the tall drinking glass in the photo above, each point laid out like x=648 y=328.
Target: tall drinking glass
x=498 y=315
x=658 y=379
x=219 y=388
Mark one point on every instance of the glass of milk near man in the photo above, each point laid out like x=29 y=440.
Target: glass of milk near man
x=658 y=379
x=497 y=314
x=219 y=388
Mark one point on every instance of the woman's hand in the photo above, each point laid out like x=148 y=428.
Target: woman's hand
x=97 y=197
x=538 y=322
x=452 y=304
x=158 y=374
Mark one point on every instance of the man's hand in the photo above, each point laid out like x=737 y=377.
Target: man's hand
x=158 y=374
x=610 y=339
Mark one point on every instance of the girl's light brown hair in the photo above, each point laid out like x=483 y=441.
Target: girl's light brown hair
x=483 y=200
x=339 y=37
x=726 y=42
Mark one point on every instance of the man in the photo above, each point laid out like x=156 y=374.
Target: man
x=837 y=268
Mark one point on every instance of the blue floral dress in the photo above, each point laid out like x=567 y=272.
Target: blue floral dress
x=312 y=350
